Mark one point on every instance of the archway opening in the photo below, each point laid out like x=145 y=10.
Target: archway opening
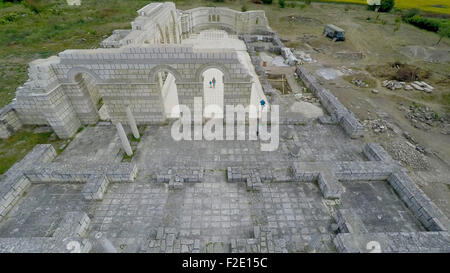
x=93 y=108
x=213 y=88
x=167 y=84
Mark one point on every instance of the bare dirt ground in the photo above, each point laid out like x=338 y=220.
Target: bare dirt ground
x=382 y=40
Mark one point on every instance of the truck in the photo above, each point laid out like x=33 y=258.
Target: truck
x=334 y=32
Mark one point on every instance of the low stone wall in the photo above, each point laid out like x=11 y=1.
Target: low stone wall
x=9 y=121
x=416 y=200
x=363 y=171
x=354 y=236
x=36 y=167
x=252 y=177
x=15 y=183
x=81 y=172
x=263 y=242
x=95 y=187
x=375 y=152
x=188 y=174
x=167 y=241
x=339 y=112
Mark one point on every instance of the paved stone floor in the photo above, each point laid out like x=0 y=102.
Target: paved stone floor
x=93 y=144
x=213 y=211
x=316 y=142
x=379 y=207
x=41 y=210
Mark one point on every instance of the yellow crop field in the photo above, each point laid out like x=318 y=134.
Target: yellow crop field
x=440 y=6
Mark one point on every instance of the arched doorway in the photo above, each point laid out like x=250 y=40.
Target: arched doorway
x=213 y=93
x=168 y=87
x=90 y=106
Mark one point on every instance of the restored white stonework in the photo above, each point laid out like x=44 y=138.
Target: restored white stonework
x=149 y=68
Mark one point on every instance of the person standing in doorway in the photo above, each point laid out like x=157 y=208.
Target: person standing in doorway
x=262 y=103
x=210 y=84
x=214 y=82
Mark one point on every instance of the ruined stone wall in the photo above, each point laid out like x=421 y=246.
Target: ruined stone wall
x=84 y=96
x=144 y=100
x=339 y=113
x=251 y=22
x=57 y=109
x=157 y=23
x=64 y=91
x=9 y=121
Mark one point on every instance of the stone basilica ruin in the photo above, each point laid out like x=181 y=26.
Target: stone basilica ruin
x=124 y=185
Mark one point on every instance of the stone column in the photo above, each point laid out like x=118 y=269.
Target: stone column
x=132 y=122
x=123 y=137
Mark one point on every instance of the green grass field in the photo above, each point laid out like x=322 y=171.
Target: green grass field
x=26 y=35
x=18 y=145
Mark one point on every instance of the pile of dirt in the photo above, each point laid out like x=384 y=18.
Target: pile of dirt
x=398 y=71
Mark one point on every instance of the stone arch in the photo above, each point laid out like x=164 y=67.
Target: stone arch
x=167 y=86
x=73 y=72
x=163 y=68
x=223 y=69
x=88 y=97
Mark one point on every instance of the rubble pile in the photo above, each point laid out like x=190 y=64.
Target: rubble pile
x=378 y=126
x=359 y=83
x=393 y=84
x=422 y=86
x=418 y=147
x=408 y=155
x=308 y=98
x=417 y=85
x=424 y=118
x=303 y=57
